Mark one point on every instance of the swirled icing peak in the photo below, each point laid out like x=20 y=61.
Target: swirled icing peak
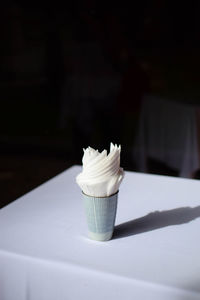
x=101 y=174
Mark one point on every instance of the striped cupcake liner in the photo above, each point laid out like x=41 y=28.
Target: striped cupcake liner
x=100 y=214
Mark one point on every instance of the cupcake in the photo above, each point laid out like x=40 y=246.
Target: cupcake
x=99 y=181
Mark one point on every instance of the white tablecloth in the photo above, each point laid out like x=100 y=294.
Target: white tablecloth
x=45 y=253
x=168 y=133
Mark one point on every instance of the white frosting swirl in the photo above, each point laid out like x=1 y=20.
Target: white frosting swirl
x=101 y=174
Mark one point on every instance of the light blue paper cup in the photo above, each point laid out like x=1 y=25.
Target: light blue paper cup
x=100 y=214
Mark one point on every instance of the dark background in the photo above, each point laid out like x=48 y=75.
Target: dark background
x=74 y=75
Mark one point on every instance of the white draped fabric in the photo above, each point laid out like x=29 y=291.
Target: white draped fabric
x=45 y=253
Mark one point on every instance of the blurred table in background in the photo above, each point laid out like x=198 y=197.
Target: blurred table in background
x=168 y=133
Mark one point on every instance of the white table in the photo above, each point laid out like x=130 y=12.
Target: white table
x=45 y=253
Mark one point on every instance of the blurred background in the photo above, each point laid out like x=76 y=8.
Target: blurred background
x=87 y=73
